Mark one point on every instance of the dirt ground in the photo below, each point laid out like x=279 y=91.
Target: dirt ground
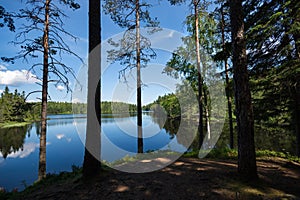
x=187 y=178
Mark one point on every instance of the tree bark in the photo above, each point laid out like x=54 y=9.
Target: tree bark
x=138 y=80
x=205 y=94
x=91 y=163
x=297 y=118
x=229 y=101
x=42 y=153
x=245 y=122
x=200 y=86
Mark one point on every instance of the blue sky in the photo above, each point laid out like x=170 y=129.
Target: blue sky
x=16 y=75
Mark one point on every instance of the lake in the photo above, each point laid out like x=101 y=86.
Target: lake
x=19 y=146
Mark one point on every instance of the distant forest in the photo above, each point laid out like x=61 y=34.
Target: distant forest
x=14 y=108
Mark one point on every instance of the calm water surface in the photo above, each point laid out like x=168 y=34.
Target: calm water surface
x=19 y=147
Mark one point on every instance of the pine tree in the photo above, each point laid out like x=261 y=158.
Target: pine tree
x=133 y=51
x=273 y=43
x=45 y=18
x=244 y=111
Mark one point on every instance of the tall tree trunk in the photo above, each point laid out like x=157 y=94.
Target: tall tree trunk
x=205 y=94
x=296 y=96
x=91 y=163
x=200 y=87
x=206 y=99
x=245 y=122
x=42 y=153
x=138 y=80
x=297 y=117
x=227 y=82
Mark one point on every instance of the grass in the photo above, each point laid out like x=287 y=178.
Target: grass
x=254 y=190
x=14 y=124
x=148 y=155
x=227 y=153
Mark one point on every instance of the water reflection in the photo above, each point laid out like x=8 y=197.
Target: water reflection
x=19 y=152
x=140 y=140
x=188 y=128
x=12 y=139
x=120 y=136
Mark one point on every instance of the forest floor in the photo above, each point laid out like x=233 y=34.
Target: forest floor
x=187 y=178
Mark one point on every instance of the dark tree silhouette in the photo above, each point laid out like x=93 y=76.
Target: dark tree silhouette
x=245 y=122
x=91 y=163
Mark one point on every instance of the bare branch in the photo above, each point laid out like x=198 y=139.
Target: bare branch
x=30 y=93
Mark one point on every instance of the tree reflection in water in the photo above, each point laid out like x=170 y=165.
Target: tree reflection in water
x=12 y=139
x=188 y=129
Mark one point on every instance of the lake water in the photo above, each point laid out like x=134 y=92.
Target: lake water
x=19 y=147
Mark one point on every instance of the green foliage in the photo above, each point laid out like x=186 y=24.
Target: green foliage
x=268 y=153
x=13 y=106
x=108 y=107
x=79 y=108
x=168 y=102
x=60 y=108
x=15 y=111
x=227 y=153
x=272 y=30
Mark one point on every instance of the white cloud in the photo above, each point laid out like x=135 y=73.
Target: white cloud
x=17 y=77
x=60 y=87
x=60 y=136
x=1 y=91
x=28 y=148
x=2 y=68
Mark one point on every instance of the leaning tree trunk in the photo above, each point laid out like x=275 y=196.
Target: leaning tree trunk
x=91 y=163
x=229 y=101
x=138 y=74
x=42 y=153
x=245 y=122
x=200 y=86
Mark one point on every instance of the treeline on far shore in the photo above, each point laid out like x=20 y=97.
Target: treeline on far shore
x=15 y=108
